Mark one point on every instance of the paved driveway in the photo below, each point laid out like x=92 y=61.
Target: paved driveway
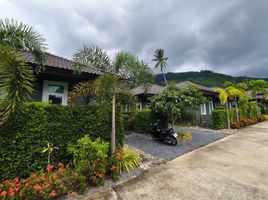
x=234 y=168
x=168 y=152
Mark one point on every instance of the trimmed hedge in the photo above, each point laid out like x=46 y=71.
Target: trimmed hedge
x=23 y=140
x=219 y=116
x=140 y=121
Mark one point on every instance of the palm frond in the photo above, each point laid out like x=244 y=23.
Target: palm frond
x=19 y=36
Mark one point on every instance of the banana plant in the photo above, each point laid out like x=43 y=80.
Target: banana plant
x=49 y=149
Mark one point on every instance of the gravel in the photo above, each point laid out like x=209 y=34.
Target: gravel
x=168 y=152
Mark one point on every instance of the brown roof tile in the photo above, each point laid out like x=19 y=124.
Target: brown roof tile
x=153 y=89
x=59 y=62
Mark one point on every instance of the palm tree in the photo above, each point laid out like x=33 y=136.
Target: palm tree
x=161 y=61
x=16 y=77
x=114 y=84
x=223 y=95
x=234 y=92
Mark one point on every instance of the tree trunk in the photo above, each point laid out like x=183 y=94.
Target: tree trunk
x=228 y=116
x=236 y=110
x=173 y=124
x=164 y=78
x=113 y=126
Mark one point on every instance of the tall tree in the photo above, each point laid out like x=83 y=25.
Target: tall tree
x=123 y=72
x=161 y=61
x=16 y=77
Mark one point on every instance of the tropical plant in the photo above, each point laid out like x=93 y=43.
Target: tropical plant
x=184 y=136
x=16 y=76
x=49 y=149
x=173 y=101
x=123 y=159
x=223 y=95
x=124 y=71
x=235 y=92
x=258 y=86
x=161 y=61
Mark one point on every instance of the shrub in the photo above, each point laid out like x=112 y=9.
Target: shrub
x=140 y=120
x=124 y=159
x=184 y=136
x=47 y=185
x=23 y=139
x=90 y=159
x=75 y=182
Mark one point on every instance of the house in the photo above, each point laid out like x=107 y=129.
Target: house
x=143 y=96
x=202 y=117
x=58 y=79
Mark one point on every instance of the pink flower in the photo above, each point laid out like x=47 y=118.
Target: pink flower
x=53 y=193
x=4 y=193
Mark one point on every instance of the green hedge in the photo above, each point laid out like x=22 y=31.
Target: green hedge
x=24 y=138
x=219 y=116
x=140 y=120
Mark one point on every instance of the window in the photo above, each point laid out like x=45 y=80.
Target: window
x=55 y=92
x=210 y=106
x=203 y=109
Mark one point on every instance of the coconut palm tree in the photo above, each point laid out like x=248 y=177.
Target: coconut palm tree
x=114 y=85
x=223 y=95
x=16 y=77
x=161 y=61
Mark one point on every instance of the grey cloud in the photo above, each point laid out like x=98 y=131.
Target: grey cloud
x=224 y=36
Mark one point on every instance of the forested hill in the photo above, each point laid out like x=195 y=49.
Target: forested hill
x=205 y=77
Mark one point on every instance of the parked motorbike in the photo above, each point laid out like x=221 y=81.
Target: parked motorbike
x=164 y=135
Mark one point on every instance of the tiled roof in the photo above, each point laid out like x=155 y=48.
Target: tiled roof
x=200 y=87
x=59 y=62
x=153 y=89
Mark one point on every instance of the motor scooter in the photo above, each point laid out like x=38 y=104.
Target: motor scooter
x=164 y=135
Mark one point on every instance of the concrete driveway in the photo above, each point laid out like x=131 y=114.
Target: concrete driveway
x=235 y=167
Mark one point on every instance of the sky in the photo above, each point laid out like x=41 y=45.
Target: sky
x=228 y=36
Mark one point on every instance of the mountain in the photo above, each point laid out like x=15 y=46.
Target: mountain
x=204 y=77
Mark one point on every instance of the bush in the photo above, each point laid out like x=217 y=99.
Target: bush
x=47 y=185
x=124 y=159
x=90 y=159
x=23 y=139
x=185 y=136
x=140 y=120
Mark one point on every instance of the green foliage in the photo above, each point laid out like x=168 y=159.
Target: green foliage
x=219 y=116
x=204 y=77
x=185 y=136
x=123 y=160
x=173 y=101
x=16 y=79
x=23 y=139
x=90 y=159
x=140 y=120
x=161 y=61
x=75 y=182
x=16 y=76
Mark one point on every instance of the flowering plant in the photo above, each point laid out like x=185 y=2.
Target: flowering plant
x=42 y=186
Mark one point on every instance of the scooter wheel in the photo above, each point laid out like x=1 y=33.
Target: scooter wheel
x=173 y=141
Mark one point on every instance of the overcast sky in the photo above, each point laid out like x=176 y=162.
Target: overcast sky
x=228 y=36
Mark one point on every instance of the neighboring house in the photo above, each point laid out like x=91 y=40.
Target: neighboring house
x=202 y=116
x=143 y=96
x=58 y=78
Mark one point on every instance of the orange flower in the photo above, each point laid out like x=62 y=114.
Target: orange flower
x=113 y=167
x=55 y=175
x=53 y=193
x=4 y=193
x=43 y=179
x=33 y=175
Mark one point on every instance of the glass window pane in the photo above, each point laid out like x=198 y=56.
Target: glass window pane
x=55 y=89
x=55 y=99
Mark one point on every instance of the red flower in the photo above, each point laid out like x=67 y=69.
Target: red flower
x=43 y=178
x=37 y=187
x=55 y=175
x=33 y=175
x=113 y=167
x=17 y=180
x=11 y=193
x=50 y=168
x=3 y=193
x=53 y=193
